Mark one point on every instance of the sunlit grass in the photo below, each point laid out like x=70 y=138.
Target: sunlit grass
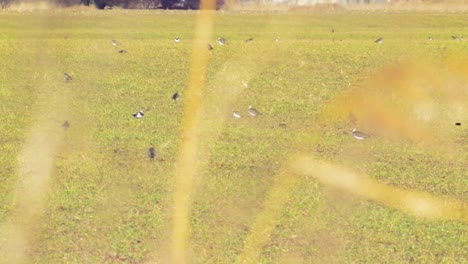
x=107 y=202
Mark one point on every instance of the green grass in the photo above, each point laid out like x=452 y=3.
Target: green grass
x=108 y=203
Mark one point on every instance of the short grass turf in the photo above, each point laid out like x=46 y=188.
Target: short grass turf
x=108 y=203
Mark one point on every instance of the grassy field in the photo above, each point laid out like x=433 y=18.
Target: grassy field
x=90 y=194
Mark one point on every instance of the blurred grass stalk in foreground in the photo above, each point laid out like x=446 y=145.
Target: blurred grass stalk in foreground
x=187 y=167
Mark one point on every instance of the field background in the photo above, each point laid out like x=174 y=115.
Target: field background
x=91 y=195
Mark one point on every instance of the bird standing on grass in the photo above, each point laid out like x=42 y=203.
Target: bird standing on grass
x=359 y=135
x=249 y=40
x=66 y=125
x=67 y=77
x=253 y=111
x=236 y=114
x=139 y=114
x=221 y=41
x=115 y=42
x=177 y=40
x=151 y=152
x=379 y=40
x=430 y=38
x=210 y=47
x=176 y=97
x=277 y=39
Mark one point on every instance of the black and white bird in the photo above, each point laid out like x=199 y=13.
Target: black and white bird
x=115 y=42
x=430 y=38
x=176 y=97
x=277 y=39
x=66 y=125
x=236 y=114
x=177 y=40
x=67 y=77
x=210 y=47
x=139 y=114
x=221 y=41
x=359 y=135
x=253 y=111
x=379 y=40
x=151 y=152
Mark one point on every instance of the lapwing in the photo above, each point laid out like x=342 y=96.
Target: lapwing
x=151 y=152
x=115 y=42
x=430 y=38
x=277 y=39
x=249 y=40
x=177 y=39
x=454 y=37
x=236 y=114
x=123 y=51
x=221 y=41
x=210 y=47
x=359 y=135
x=379 y=40
x=66 y=125
x=253 y=111
x=139 y=114
x=176 y=97
x=67 y=77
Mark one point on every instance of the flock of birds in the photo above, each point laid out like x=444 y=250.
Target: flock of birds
x=252 y=112
x=236 y=114
x=380 y=40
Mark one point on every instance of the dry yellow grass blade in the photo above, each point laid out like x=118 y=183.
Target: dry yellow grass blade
x=413 y=202
x=187 y=166
x=36 y=164
x=36 y=167
x=267 y=219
